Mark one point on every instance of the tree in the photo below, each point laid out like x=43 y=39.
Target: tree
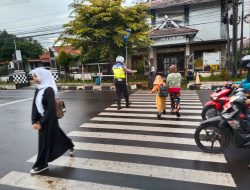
x=30 y=48
x=99 y=25
x=66 y=60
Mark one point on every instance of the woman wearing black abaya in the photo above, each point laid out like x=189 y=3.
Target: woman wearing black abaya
x=52 y=140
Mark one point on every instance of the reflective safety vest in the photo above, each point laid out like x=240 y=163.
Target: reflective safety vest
x=118 y=71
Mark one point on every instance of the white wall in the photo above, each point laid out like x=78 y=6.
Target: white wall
x=204 y=17
x=207 y=19
x=4 y=79
x=175 y=13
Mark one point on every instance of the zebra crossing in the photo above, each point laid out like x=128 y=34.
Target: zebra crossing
x=130 y=149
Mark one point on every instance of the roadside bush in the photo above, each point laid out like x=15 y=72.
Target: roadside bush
x=225 y=74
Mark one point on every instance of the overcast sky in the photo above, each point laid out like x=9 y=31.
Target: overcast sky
x=22 y=17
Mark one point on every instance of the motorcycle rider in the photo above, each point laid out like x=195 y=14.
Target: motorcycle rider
x=245 y=83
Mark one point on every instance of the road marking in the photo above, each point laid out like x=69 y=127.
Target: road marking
x=153 y=106
x=138 y=128
x=134 y=137
x=38 y=182
x=17 y=101
x=163 y=172
x=143 y=138
x=185 y=94
x=148 y=115
x=151 y=110
x=151 y=121
x=27 y=99
x=153 y=99
x=167 y=100
x=156 y=152
x=153 y=102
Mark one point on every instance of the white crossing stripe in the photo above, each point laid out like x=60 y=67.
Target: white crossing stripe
x=182 y=94
x=138 y=128
x=153 y=100
x=38 y=182
x=163 y=172
x=157 y=152
x=147 y=115
x=153 y=103
x=130 y=120
x=148 y=99
x=151 y=110
x=134 y=137
x=153 y=97
x=153 y=106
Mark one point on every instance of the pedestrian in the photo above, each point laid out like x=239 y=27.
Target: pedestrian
x=52 y=141
x=152 y=75
x=174 y=88
x=160 y=101
x=120 y=70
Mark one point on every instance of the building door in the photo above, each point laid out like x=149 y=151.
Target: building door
x=164 y=60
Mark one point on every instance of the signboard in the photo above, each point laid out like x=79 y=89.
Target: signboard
x=18 y=55
x=212 y=58
x=170 y=40
x=125 y=37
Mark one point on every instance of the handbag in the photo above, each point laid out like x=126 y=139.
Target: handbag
x=163 y=91
x=37 y=126
x=60 y=108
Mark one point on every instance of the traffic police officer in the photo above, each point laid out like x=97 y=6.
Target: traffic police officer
x=120 y=70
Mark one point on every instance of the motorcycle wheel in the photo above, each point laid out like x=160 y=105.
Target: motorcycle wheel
x=209 y=112
x=211 y=139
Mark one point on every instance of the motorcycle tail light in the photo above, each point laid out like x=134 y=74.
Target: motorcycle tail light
x=242 y=115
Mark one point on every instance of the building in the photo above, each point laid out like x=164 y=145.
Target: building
x=182 y=31
x=47 y=59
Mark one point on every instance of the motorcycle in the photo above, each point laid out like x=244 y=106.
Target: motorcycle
x=215 y=134
x=217 y=99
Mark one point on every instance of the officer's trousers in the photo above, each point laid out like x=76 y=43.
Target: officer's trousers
x=121 y=88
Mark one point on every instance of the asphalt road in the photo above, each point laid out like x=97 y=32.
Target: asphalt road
x=129 y=149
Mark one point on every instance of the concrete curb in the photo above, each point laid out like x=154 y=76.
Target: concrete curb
x=88 y=88
x=206 y=85
x=12 y=86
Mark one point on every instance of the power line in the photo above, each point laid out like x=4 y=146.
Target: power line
x=32 y=18
x=45 y=34
x=13 y=3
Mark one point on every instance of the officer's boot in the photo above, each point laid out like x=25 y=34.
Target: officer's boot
x=127 y=102
x=118 y=104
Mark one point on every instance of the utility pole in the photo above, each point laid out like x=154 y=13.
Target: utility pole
x=228 y=40
x=242 y=24
x=235 y=33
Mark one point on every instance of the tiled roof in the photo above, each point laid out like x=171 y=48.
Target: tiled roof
x=67 y=49
x=172 y=31
x=158 y=4
x=45 y=57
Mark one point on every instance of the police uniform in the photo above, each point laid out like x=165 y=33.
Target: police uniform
x=120 y=84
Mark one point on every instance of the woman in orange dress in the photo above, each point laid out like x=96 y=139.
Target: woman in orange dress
x=160 y=101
